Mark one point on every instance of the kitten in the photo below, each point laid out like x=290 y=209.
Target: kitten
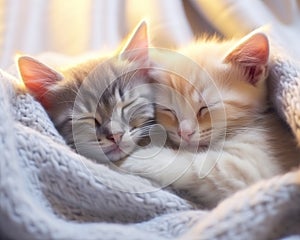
x=102 y=107
x=214 y=108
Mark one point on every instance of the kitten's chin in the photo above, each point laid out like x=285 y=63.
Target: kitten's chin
x=117 y=157
x=189 y=146
x=117 y=153
x=194 y=147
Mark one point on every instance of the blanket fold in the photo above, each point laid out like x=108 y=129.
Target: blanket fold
x=284 y=85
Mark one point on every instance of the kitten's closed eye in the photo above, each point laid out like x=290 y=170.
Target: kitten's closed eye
x=203 y=110
x=86 y=118
x=139 y=122
x=89 y=119
x=169 y=112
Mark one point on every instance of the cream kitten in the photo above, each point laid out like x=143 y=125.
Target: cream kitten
x=213 y=104
x=102 y=107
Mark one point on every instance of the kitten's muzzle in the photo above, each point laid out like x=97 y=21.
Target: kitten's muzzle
x=116 y=137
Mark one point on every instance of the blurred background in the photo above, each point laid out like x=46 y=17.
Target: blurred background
x=80 y=26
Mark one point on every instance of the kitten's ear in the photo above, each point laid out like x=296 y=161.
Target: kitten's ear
x=136 y=48
x=252 y=54
x=37 y=77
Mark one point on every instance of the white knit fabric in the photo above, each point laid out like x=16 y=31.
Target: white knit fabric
x=49 y=192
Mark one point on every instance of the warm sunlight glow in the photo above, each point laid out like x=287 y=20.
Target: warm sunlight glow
x=77 y=38
x=18 y=78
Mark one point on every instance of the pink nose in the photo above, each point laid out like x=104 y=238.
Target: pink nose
x=116 y=137
x=186 y=134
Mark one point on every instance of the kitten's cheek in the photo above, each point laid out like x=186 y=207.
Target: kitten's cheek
x=127 y=147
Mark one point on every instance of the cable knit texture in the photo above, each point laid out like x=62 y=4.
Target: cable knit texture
x=50 y=192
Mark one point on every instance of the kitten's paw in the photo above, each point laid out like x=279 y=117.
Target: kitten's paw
x=146 y=161
x=162 y=165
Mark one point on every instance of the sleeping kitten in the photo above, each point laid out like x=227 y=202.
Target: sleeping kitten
x=215 y=110
x=102 y=107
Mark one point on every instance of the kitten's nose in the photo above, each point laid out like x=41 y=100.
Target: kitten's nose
x=186 y=129
x=115 y=137
x=186 y=134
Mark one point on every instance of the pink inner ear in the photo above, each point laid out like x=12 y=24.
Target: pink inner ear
x=252 y=55
x=253 y=51
x=37 y=77
x=137 y=47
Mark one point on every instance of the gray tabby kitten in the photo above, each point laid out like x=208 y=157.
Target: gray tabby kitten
x=102 y=107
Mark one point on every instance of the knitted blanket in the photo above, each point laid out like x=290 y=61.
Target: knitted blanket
x=50 y=192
